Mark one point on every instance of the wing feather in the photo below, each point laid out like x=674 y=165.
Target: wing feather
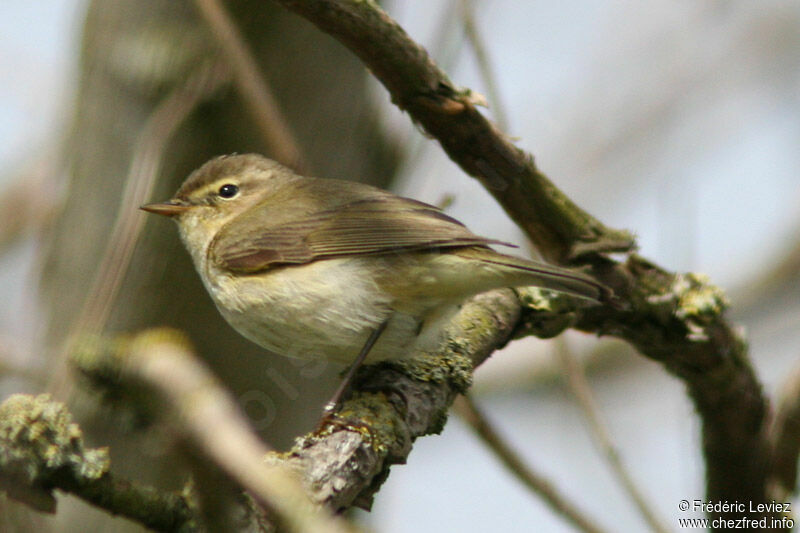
x=375 y=223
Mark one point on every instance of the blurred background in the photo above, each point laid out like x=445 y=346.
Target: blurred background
x=677 y=120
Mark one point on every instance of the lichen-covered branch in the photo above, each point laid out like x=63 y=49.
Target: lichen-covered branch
x=676 y=320
x=346 y=462
x=42 y=450
x=559 y=227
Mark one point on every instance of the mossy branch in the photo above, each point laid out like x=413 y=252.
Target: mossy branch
x=676 y=320
x=42 y=450
x=346 y=461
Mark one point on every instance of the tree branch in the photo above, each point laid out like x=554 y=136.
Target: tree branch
x=534 y=481
x=346 y=462
x=674 y=319
x=561 y=229
x=41 y=450
x=275 y=131
x=597 y=427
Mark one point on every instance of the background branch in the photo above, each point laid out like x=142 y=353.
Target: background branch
x=252 y=85
x=484 y=64
x=534 y=481
x=785 y=435
x=583 y=395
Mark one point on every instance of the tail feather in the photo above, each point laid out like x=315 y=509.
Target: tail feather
x=524 y=272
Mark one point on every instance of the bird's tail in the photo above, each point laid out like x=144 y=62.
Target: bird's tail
x=527 y=272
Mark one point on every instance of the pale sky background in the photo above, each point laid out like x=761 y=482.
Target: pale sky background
x=677 y=120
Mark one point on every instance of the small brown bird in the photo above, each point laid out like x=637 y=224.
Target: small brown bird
x=337 y=270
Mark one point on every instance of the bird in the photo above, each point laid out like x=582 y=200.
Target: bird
x=320 y=268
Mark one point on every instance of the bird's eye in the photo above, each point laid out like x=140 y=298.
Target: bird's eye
x=229 y=190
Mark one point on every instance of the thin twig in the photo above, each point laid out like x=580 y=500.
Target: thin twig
x=448 y=43
x=484 y=64
x=145 y=166
x=253 y=87
x=540 y=486
x=583 y=394
x=28 y=202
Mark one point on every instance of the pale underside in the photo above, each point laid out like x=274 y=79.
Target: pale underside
x=326 y=309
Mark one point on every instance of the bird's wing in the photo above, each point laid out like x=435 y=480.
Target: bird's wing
x=376 y=222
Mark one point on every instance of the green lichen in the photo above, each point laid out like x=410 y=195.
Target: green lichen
x=39 y=441
x=691 y=299
x=546 y=314
x=369 y=414
x=448 y=365
x=534 y=298
x=697 y=298
x=377 y=419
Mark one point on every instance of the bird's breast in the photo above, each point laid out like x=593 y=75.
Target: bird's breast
x=323 y=309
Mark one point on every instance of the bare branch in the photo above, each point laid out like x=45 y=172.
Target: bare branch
x=143 y=171
x=275 y=130
x=585 y=398
x=142 y=174
x=534 y=481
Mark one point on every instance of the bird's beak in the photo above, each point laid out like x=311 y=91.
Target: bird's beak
x=169 y=208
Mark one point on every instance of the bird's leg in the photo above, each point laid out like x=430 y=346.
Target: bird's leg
x=333 y=404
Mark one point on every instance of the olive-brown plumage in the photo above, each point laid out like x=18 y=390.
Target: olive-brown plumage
x=310 y=267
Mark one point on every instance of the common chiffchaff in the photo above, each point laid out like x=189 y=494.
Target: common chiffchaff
x=313 y=268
